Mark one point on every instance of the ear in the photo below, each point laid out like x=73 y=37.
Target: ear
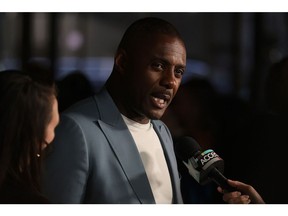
x=121 y=60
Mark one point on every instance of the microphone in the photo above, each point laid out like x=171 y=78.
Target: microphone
x=204 y=166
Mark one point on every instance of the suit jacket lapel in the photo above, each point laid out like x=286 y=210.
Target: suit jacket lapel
x=168 y=149
x=124 y=147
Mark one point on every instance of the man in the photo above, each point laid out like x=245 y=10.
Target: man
x=112 y=148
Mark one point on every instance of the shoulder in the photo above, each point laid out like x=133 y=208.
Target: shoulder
x=82 y=107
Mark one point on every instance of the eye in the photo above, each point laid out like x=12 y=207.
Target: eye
x=158 y=66
x=179 y=72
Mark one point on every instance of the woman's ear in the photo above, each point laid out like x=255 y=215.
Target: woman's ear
x=121 y=60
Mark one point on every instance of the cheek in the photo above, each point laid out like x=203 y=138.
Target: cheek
x=49 y=135
x=176 y=87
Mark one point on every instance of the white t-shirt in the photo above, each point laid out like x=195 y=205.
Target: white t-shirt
x=153 y=158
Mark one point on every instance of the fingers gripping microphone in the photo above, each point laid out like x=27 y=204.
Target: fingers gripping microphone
x=205 y=166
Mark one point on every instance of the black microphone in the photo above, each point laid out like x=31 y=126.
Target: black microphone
x=205 y=166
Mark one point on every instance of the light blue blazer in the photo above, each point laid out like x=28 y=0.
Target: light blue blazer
x=94 y=158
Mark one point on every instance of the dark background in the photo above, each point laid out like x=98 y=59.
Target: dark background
x=232 y=50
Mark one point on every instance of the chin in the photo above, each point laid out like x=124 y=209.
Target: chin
x=156 y=115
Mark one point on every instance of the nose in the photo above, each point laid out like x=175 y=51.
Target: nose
x=168 y=79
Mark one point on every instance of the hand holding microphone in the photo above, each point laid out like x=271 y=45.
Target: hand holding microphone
x=207 y=166
x=251 y=195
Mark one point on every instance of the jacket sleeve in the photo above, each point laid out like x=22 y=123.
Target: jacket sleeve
x=66 y=166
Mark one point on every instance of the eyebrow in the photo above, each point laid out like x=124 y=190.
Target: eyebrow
x=166 y=61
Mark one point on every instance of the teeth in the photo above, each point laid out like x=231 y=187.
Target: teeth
x=159 y=100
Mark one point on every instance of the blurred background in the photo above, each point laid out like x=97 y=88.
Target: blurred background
x=221 y=102
x=232 y=50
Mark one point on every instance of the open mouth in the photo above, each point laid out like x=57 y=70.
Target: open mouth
x=161 y=100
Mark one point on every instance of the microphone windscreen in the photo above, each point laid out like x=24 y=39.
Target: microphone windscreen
x=186 y=147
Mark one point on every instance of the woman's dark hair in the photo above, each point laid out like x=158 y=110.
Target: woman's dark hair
x=25 y=111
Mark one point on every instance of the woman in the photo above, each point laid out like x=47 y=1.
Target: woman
x=28 y=117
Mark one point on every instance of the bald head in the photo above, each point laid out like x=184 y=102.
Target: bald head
x=147 y=27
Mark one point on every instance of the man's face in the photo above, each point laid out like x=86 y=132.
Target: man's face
x=154 y=72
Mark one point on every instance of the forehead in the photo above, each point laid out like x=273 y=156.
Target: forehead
x=161 y=45
x=156 y=37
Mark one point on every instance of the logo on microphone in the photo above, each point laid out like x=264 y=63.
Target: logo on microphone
x=206 y=157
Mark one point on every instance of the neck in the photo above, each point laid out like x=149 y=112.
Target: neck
x=117 y=93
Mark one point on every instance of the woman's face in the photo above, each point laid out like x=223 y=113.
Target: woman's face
x=50 y=129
